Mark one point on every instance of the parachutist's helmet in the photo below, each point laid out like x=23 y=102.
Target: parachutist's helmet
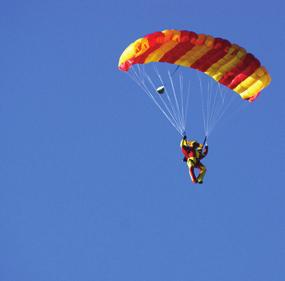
x=194 y=143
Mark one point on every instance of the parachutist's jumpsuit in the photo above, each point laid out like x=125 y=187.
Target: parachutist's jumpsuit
x=193 y=154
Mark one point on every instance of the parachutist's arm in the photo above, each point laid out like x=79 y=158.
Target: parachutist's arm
x=183 y=142
x=205 y=141
x=206 y=150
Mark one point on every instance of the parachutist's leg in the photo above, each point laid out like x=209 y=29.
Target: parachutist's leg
x=192 y=174
x=191 y=166
x=202 y=172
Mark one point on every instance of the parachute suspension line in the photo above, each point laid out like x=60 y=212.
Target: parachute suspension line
x=222 y=109
x=187 y=102
x=169 y=116
x=215 y=110
x=202 y=103
x=174 y=113
x=239 y=108
x=206 y=96
x=214 y=107
x=214 y=103
x=218 y=88
x=140 y=81
x=176 y=102
x=207 y=90
x=145 y=89
x=223 y=95
x=210 y=104
x=162 y=100
x=135 y=77
x=221 y=114
x=167 y=93
x=177 y=67
x=182 y=101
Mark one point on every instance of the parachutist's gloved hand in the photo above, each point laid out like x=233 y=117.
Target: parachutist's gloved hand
x=184 y=159
x=184 y=137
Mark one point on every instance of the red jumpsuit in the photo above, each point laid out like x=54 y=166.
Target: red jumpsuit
x=193 y=153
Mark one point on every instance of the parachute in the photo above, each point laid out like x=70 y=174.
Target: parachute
x=227 y=64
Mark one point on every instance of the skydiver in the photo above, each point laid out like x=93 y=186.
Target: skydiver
x=193 y=152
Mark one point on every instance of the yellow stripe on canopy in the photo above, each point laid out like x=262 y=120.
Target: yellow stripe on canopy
x=157 y=54
x=195 y=53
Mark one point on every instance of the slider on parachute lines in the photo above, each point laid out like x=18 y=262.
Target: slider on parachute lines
x=160 y=90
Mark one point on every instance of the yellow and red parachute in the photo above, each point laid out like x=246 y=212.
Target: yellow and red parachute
x=225 y=62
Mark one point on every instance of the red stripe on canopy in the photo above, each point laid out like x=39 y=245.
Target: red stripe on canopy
x=219 y=50
x=229 y=76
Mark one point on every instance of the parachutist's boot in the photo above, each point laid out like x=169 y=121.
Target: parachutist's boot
x=200 y=178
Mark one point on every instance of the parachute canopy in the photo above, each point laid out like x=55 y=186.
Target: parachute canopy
x=225 y=62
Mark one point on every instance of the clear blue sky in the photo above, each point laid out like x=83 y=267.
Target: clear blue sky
x=92 y=186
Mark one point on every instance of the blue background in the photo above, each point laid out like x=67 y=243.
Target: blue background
x=92 y=186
